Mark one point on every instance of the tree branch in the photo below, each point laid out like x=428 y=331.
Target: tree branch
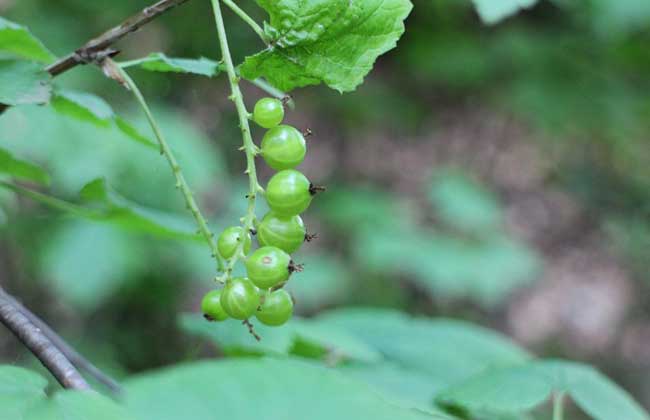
x=36 y=341
x=70 y=353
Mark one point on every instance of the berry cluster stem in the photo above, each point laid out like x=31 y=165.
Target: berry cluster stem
x=181 y=183
x=248 y=146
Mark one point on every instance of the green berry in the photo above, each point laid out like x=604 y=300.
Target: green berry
x=268 y=266
x=268 y=112
x=283 y=147
x=286 y=233
x=240 y=298
x=211 y=306
x=276 y=309
x=288 y=193
x=229 y=240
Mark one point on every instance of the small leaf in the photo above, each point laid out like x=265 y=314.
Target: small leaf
x=21 y=169
x=129 y=130
x=283 y=389
x=23 y=82
x=161 y=63
x=523 y=387
x=19 y=389
x=331 y=41
x=76 y=405
x=16 y=40
x=82 y=106
x=494 y=11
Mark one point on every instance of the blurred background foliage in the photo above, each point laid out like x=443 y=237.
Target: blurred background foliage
x=497 y=174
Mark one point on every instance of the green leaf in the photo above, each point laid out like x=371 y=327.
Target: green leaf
x=16 y=40
x=463 y=203
x=331 y=41
x=523 y=387
x=325 y=281
x=19 y=389
x=76 y=405
x=493 y=11
x=308 y=338
x=161 y=63
x=21 y=169
x=250 y=389
x=448 y=350
x=23 y=82
x=91 y=108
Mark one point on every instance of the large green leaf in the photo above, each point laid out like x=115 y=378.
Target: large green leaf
x=23 y=82
x=19 y=388
x=20 y=169
x=330 y=41
x=299 y=336
x=493 y=11
x=448 y=350
x=76 y=405
x=16 y=40
x=523 y=387
x=253 y=389
x=161 y=63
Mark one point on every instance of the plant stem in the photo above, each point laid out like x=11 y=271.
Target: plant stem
x=248 y=146
x=181 y=183
x=244 y=16
x=273 y=91
x=558 y=406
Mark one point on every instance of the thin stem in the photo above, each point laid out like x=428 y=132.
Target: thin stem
x=181 y=183
x=273 y=91
x=244 y=16
x=70 y=353
x=40 y=346
x=558 y=406
x=248 y=146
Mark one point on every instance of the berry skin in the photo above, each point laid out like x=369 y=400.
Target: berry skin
x=240 y=298
x=276 y=309
x=286 y=233
x=229 y=240
x=283 y=147
x=288 y=193
x=268 y=112
x=268 y=266
x=211 y=306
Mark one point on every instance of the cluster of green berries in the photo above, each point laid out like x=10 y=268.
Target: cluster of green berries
x=280 y=232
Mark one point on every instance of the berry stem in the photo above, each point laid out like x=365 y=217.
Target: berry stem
x=249 y=147
x=558 y=406
x=249 y=20
x=181 y=183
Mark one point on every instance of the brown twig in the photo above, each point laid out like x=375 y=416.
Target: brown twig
x=79 y=361
x=36 y=341
x=98 y=48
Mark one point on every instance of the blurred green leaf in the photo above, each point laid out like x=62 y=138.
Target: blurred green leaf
x=448 y=350
x=296 y=337
x=492 y=11
x=19 y=389
x=523 y=387
x=16 y=40
x=325 y=280
x=161 y=63
x=250 y=389
x=85 y=263
x=23 y=82
x=21 y=169
x=76 y=405
x=329 y=41
x=461 y=202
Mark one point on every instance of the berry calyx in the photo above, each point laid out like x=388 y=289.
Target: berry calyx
x=268 y=112
x=288 y=193
x=268 y=266
x=285 y=232
x=211 y=306
x=283 y=147
x=276 y=309
x=240 y=298
x=229 y=240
